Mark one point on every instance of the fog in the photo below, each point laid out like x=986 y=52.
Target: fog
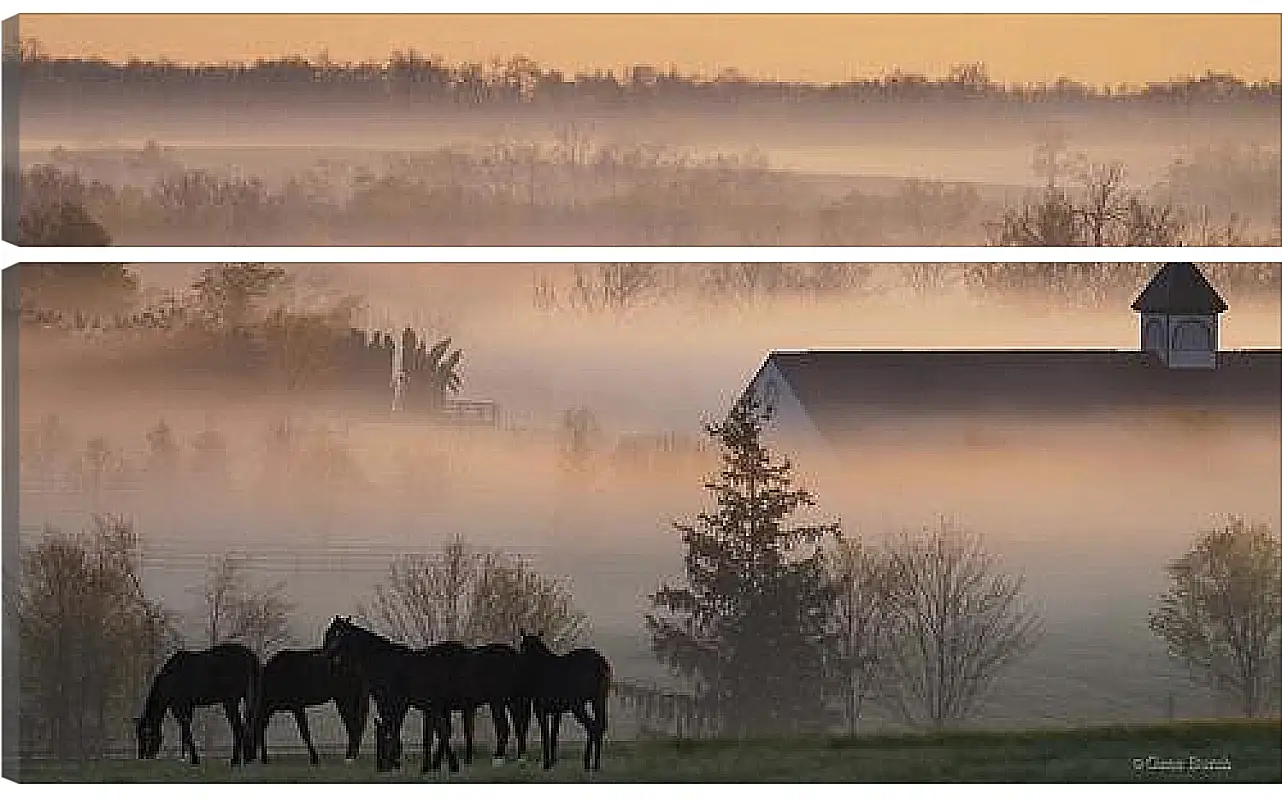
x=721 y=174
x=1089 y=510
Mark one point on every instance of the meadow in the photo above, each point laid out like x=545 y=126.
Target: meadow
x=1181 y=752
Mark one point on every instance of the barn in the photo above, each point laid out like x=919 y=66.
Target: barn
x=824 y=396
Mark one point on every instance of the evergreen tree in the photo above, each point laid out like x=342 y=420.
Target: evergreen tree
x=752 y=626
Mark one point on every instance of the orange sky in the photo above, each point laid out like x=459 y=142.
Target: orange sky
x=1096 y=48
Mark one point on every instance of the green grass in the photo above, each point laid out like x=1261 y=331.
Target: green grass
x=1100 y=755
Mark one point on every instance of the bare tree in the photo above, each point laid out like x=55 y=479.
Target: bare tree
x=474 y=597
x=580 y=436
x=89 y=638
x=1104 y=201
x=1222 y=614
x=235 y=609
x=862 y=615
x=957 y=623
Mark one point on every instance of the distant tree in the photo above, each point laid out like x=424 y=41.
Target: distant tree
x=1096 y=211
x=957 y=622
x=228 y=294
x=751 y=627
x=304 y=344
x=162 y=450
x=863 y=617
x=89 y=638
x=1221 y=616
x=99 y=466
x=1050 y=221
x=471 y=596
x=580 y=436
x=44 y=444
x=60 y=224
x=68 y=287
x=233 y=608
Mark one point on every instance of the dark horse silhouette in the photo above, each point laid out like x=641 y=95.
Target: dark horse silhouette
x=401 y=678
x=492 y=676
x=225 y=673
x=296 y=679
x=557 y=684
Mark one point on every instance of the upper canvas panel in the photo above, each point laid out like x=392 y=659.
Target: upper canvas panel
x=643 y=130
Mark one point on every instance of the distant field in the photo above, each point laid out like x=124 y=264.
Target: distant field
x=1243 y=751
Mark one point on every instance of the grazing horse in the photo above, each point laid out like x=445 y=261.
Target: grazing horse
x=225 y=673
x=493 y=677
x=557 y=684
x=296 y=679
x=401 y=678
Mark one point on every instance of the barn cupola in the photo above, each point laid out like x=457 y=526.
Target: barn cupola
x=1180 y=317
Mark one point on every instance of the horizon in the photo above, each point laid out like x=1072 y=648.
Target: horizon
x=801 y=48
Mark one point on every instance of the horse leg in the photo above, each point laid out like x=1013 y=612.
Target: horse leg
x=430 y=730
x=555 y=728
x=232 y=709
x=469 y=727
x=440 y=720
x=188 y=743
x=498 y=713
x=580 y=712
x=354 y=716
x=300 y=717
x=260 y=731
x=598 y=717
x=545 y=737
x=519 y=708
x=444 y=733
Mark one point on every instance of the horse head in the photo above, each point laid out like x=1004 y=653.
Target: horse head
x=533 y=644
x=338 y=630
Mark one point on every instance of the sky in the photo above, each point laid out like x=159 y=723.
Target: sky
x=1099 y=49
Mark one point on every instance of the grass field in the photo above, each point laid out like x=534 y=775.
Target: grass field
x=1220 y=751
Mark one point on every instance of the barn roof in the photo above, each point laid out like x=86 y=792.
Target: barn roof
x=1179 y=289
x=842 y=388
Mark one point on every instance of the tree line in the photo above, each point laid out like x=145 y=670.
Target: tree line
x=639 y=194
x=237 y=320
x=411 y=75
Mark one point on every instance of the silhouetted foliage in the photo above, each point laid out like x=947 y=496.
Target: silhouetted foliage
x=89 y=638
x=1221 y=616
x=69 y=287
x=751 y=627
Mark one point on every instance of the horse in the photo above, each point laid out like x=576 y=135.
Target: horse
x=493 y=677
x=225 y=673
x=401 y=678
x=296 y=679
x=557 y=684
